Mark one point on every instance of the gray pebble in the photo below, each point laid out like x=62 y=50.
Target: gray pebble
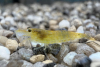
x=81 y=60
x=3 y=63
x=39 y=64
x=15 y=56
x=85 y=49
x=19 y=63
x=25 y=53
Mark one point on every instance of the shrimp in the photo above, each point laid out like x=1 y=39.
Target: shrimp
x=45 y=37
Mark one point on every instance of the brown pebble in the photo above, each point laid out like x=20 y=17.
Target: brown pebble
x=12 y=45
x=51 y=57
x=3 y=40
x=73 y=46
x=63 y=52
x=37 y=58
x=94 y=44
x=97 y=37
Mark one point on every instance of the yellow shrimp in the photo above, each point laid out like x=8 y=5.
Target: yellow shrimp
x=45 y=37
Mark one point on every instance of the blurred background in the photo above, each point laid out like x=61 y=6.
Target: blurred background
x=39 y=1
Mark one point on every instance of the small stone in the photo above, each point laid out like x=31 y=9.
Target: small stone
x=4 y=53
x=53 y=22
x=22 y=25
x=30 y=17
x=93 y=32
x=15 y=56
x=81 y=60
x=51 y=57
x=1 y=32
x=94 y=44
x=47 y=61
x=73 y=29
x=95 y=57
x=3 y=40
x=7 y=33
x=3 y=63
x=1 y=44
x=63 y=52
x=64 y=24
x=25 y=43
x=60 y=65
x=96 y=23
x=5 y=13
x=25 y=53
x=40 y=13
x=37 y=19
x=91 y=26
x=49 y=65
x=1 y=27
x=76 y=22
x=42 y=27
x=12 y=45
x=85 y=49
x=54 y=27
x=87 y=21
x=69 y=58
x=80 y=29
x=27 y=64
x=37 y=58
x=95 y=64
x=5 y=26
x=10 y=19
x=19 y=63
x=39 y=64
x=89 y=33
x=97 y=37
x=73 y=46
x=13 y=28
x=15 y=63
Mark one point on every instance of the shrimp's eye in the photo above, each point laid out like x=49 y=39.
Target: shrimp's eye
x=29 y=30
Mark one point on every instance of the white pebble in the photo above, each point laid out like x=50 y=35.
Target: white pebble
x=37 y=19
x=47 y=61
x=4 y=53
x=73 y=29
x=5 y=14
x=80 y=29
x=11 y=20
x=76 y=22
x=95 y=57
x=30 y=17
x=95 y=64
x=2 y=21
x=69 y=58
x=97 y=4
x=64 y=24
x=90 y=25
x=87 y=21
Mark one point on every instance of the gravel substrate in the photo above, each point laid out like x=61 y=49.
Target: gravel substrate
x=75 y=17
